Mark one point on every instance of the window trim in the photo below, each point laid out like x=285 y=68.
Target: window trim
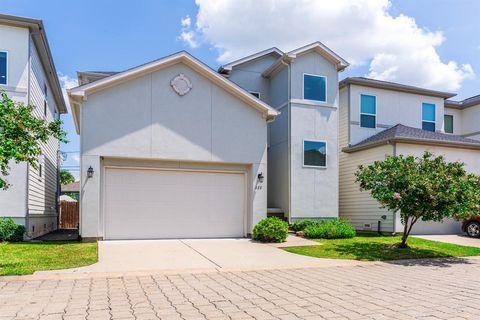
x=430 y=121
x=255 y=92
x=303 y=154
x=319 y=76
x=448 y=115
x=364 y=113
x=6 y=68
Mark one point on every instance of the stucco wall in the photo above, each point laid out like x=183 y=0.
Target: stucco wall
x=457 y=120
x=392 y=108
x=471 y=122
x=314 y=191
x=145 y=119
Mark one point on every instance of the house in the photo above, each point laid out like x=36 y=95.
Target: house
x=71 y=189
x=170 y=149
x=28 y=75
x=379 y=118
x=303 y=141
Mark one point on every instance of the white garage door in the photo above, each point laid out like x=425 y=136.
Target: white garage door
x=155 y=204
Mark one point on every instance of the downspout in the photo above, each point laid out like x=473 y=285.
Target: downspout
x=394 y=213
x=289 y=88
x=27 y=183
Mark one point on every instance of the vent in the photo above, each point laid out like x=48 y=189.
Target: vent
x=367 y=226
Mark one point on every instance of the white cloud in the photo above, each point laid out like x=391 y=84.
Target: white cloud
x=187 y=35
x=67 y=82
x=364 y=32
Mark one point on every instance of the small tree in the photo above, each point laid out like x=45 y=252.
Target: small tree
x=21 y=135
x=426 y=188
x=66 y=177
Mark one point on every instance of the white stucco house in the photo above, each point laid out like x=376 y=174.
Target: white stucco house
x=174 y=149
x=28 y=75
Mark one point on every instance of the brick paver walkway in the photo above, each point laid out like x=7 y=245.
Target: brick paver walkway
x=436 y=289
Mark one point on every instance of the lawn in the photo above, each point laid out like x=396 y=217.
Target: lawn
x=27 y=257
x=371 y=247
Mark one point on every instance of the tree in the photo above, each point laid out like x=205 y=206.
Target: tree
x=421 y=188
x=66 y=177
x=22 y=135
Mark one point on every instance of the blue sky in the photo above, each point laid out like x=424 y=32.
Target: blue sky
x=115 y=35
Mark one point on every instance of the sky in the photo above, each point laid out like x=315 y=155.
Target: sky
x=428 y=43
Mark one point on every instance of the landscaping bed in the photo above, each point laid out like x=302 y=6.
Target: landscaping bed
x=22 y=258
x=373 y=247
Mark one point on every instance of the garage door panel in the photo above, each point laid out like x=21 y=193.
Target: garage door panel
x=146 y=204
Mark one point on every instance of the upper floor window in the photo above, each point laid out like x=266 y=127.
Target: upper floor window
x=314 y=153
x=314 y=87
x=45 y=90
x=255 y=94
x=3 y=67
x=448 y=123
x=368 y=111
x=428 y=116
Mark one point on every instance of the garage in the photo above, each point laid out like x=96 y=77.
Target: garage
x=141 y=203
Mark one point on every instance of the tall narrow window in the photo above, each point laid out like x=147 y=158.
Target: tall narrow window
x=368 y=111
x=45 y=108
x=448 y=123
x=428 y=116
x=3 y=67
x=45 y=90
x=314 y=153
x=314 y=87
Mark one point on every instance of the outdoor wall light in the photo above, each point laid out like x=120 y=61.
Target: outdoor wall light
x=90 y=172
x=260 y=177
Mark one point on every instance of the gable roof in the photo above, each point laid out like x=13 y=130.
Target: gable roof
x=39 y=37
x=469 y=102
x=80 y=93
x=229 y=66
x=401 y=133
x=318 y=47
x=380 y=84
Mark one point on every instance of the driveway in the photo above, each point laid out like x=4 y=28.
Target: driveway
x=454 y=239
x=429 y=289
x=198 y=254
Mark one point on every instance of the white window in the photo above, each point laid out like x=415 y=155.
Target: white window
x=315 y=153
x=314 y=87
x=3 y=67
x=368 y=111
x=428 y=116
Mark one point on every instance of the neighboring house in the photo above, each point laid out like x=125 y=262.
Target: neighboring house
x=170 y=149
x=71 y=189
x=28 y=75
x=379 y=118
x=303 y=141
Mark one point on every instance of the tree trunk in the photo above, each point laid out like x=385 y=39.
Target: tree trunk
x=406 y=231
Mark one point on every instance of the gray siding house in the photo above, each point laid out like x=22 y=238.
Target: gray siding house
x=28 y=75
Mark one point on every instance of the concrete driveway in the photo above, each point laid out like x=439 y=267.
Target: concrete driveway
x=459 y=239
x=198 y=254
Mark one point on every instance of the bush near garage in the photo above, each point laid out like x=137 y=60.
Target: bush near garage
x=330 y=229
x=271 y=229
x=300 y=225
x=11 y=231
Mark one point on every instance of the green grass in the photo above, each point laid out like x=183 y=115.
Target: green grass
x=371 y=247
x=27 y=257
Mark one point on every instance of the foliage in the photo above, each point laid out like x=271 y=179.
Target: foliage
x=421 y=188
x=11 y=231
x=66 y=177
x=330 y=229
x=22 y=134
x=300 y=225
x=271 y=230
x=72 y=194
x=28 y=257
x=371 y=247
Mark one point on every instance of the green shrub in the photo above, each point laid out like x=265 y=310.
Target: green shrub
x=11 y=231
x=300 y=225
x=271 y=230
x=330 y=229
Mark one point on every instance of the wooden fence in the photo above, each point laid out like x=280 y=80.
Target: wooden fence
x=69 y=215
